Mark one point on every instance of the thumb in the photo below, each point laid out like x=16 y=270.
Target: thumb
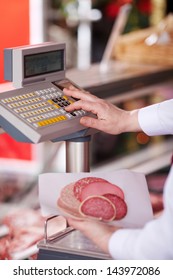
x=90 y=122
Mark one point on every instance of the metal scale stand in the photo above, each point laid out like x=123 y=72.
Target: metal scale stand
x=70 y=244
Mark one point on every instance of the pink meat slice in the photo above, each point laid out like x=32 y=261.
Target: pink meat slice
x=100 y=188
x=67 y=198
x=74 y=213
x=120 y=205
x=82 y=183
x=98 y=207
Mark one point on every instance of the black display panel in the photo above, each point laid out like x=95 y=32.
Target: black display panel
x=43 y=63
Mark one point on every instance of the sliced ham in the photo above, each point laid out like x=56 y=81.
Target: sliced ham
x=120 y=205
x=82 y=183
x=100 y=188
x=98 y=207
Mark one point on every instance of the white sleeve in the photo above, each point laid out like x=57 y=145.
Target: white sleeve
x=154 y=241
x=157 y=119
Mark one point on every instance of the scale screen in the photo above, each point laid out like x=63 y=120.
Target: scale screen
x=43 y=63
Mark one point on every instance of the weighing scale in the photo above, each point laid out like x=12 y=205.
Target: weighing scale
x=35 y=112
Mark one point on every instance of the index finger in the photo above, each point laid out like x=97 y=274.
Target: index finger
x=84 y=105
x=79 y=94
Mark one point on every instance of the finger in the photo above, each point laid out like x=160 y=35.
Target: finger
x=93 y=123
x=85 y=105
x=79 y=94
x=77 y=224
x=72 y=87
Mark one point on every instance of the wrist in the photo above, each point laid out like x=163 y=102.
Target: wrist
x=131 y=123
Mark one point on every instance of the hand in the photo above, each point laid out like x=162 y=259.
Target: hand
x=98 y=232
x=110 y=118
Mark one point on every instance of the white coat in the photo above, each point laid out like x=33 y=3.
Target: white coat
x=155 y=240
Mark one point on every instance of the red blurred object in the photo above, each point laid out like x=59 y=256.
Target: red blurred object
x=11 y=149
x=123 y=2
x=23 y=220
x=14 y=26
x=112 y=10
x=23 y=241
x=26 y=228
x=156 y=202
x=14 y=31
x=4 y=246
x=144 y=6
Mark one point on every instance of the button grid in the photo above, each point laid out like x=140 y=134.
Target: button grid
x=42 y=107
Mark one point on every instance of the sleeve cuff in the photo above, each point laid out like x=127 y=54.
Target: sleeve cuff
x=119 y=240
x=149 y=121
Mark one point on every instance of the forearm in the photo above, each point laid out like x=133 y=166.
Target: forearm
x=156 y=119
x=109 y=118
x=153 y=120
x=130 y=122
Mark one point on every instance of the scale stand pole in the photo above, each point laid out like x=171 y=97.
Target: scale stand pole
x=77 y=154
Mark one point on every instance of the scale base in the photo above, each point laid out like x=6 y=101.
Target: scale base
x=73 y=246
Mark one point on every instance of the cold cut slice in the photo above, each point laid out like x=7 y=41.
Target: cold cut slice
x=82 y=183
x=120 y=205
x=65 y=208
x=68 y=212
x=98 y=207
x=100 y=188
x=67 y=199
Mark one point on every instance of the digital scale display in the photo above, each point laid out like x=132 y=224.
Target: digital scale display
x=43 y=63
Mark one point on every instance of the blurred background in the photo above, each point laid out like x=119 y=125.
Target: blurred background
x=85 y=27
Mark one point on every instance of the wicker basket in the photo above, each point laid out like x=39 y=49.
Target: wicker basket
x=131 y=47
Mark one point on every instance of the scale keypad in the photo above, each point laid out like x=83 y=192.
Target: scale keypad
x=42 y=107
